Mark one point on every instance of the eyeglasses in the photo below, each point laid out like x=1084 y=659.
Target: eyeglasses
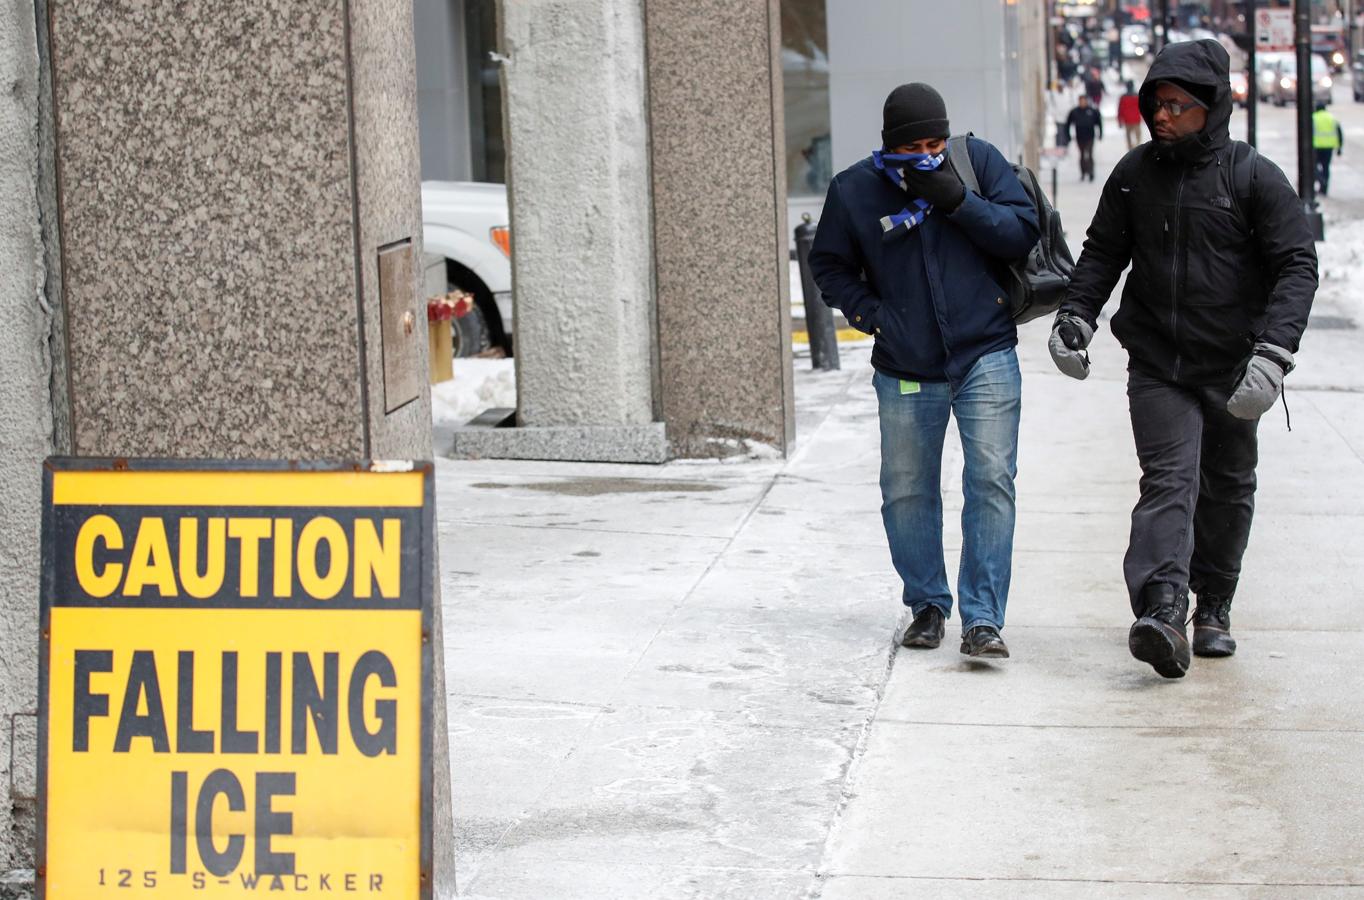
x=1173 y=107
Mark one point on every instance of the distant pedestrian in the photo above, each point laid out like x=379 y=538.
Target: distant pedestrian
x=1223 y=275
x=1094 y=86
x=1060 y=101
x=1085 y=121
x=1065 y=66
x=1328 y=139
x=1129 y=115
x=913 y=257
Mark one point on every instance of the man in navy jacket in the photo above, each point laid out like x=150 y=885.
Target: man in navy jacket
x=914 y=258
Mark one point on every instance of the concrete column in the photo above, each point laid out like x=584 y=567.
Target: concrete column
x=25 y=438
x=229 y=175
x=719 y=193
x=1031 y=68
x=578 y=185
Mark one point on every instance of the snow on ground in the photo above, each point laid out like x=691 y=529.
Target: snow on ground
x=1341 y=262
x=479 y=384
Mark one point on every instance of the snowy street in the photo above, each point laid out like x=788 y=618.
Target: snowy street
x=681 y=681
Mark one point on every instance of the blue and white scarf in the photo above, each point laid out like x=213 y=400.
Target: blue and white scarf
x=892 y=165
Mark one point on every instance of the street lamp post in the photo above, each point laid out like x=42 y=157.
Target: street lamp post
x=1348 y=11
x=1118 y=44
x=1252 y=75
x=1047 y=10
x=1302 y=42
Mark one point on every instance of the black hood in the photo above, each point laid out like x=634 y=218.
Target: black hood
x=1203 y=69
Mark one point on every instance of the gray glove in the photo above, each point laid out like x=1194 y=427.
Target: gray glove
x=1259 y=387
x=1069 y=338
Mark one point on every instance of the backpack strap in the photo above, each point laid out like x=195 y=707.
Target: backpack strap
x=1243 y=180
x=960 y=157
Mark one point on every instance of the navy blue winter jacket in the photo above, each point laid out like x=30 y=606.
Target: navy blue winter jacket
x=933 y=296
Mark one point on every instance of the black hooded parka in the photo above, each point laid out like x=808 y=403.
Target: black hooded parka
x=1216 y=265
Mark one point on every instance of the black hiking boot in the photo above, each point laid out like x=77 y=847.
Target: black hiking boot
x=1212 y=626
x=1158 y=637
x=984 y=642
x=926 y=631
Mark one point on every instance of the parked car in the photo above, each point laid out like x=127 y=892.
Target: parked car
x=1136 y=41
x=467 y=224
x=1333 y=55
x=1279 y=82
x=1240 y=89
x=1328 y=42
x=1266 y=70
x=1357 y=76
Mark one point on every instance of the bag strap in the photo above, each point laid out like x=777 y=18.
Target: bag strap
x=960 y=157
x=1246 y=160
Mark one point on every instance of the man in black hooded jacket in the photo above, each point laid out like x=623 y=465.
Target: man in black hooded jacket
x=1223 y=274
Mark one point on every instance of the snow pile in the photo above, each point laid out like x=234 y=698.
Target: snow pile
x=1341 y=261
x=734 y=451
x=479 y=384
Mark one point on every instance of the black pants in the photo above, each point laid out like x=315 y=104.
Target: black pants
x=1192 y=521
x=1086 y=158
x=1323 y=170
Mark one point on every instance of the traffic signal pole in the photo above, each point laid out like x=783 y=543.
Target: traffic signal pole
x=1252 y=76
x=1302 y=42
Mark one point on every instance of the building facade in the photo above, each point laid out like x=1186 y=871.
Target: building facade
x=839 y=59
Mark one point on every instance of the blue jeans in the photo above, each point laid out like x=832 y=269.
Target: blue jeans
x=913 y=425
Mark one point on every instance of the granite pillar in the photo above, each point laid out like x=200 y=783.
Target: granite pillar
x=240 y=234
x=26 y=426
x=578 y=186
x=719 y=222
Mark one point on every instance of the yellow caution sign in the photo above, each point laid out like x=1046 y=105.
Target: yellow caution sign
x=236 y=682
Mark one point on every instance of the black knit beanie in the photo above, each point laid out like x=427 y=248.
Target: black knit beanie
x=913 y=112
x=1203 y=94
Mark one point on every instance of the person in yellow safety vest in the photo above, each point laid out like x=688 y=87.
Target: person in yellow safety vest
x=1327 y=138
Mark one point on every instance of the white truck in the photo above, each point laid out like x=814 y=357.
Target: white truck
x=467 y=224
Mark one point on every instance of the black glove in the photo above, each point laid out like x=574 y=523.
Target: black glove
x=1069 y=338
x=1069 y=330
x=942 y=186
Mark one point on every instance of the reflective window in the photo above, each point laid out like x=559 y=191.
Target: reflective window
x=488 y=152
x=805 y=72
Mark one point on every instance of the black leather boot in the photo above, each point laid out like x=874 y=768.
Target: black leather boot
x=984 y=642
x=1212 y=626
x=926 y=630
x=1158 y=637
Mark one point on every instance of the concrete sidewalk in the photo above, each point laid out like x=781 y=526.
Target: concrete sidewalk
x=680 y=681
x=1073 y=771
x=660 y=677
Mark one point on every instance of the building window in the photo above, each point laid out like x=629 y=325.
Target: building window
x=805 y=73
x=487 y=151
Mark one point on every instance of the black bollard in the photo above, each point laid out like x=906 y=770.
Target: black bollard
x=819 y=318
